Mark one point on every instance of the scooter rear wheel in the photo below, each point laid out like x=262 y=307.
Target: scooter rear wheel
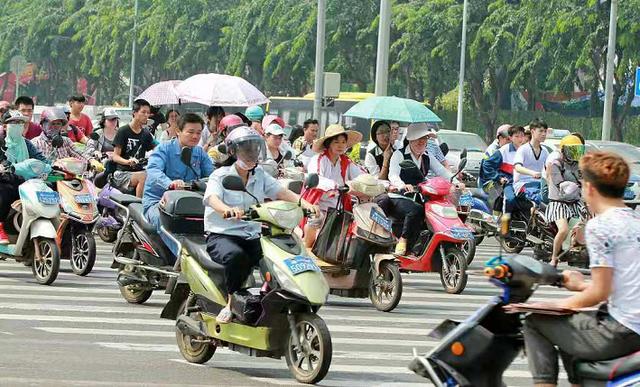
x=385 y=289
x=135 y=295
x=510 y=245
x=312 y=363
x=107 y=234
x=453 y=271
x=198 y=353
x=45 y=269
x=469 y=250
x=83 y=253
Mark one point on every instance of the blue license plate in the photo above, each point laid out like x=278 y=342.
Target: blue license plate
x=48 y=197
x=629 y=194
x=301 y=264
x=466 y=200
x=461 y=233
x=84 y=199
x=380 y=219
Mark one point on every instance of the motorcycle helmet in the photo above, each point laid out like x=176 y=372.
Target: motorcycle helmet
x=230 y=122
x=14 y=117
x=254 y=113
x=572 y=148
x=246 y=145
x=53 y=133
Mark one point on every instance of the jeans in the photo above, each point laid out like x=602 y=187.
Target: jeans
x=153 y=216
x=589 y=336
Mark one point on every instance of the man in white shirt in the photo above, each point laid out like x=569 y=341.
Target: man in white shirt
x=530 y=159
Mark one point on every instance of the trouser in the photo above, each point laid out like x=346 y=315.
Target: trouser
x=237 y=255
x=590 y=336
x=407 y=210
x=153 y=216
x=510 y=197
x=8 y=195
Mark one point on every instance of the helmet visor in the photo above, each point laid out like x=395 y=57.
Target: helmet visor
x=573 y=152
x=250 y=150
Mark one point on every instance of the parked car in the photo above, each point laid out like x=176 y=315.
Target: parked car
x=632 y=155
x=457 y=141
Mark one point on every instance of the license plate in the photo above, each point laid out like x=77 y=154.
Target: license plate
x=84 y=199
x=46 y=197
x=466 y=200
x=301 y=264
x=380 y=219
x=629 y=194
x=461 y=233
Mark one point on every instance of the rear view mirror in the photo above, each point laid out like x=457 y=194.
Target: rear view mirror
x=233 y=183
x=444 y=148
x=222 y=149
x=463 y=163
x=312 y=180
x=185 y=155
x=463 y=154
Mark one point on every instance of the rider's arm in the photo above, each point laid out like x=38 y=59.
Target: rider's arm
x=371 y=164
x=206 y=165
x=438 y=169
x=117 y=152
x=491 y=166
x=34 y=153
x=394 y=170
x=526 y=171
x=71 y=148
x=593 y=293
x=155 y=170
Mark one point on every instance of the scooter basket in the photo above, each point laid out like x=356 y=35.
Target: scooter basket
x=182 y=212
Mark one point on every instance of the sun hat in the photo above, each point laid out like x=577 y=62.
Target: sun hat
x=418 y=130
x=333 y=131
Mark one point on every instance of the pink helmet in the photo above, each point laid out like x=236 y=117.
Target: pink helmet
x=230 y=122
x=270 y=119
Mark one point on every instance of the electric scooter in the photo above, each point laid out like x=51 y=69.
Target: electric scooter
x=278 y=319
x=477 y=351
x=30 y=224
x=439 y=246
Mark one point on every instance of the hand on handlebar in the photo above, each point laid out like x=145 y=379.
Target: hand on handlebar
x=233 y=213
x=537 y=175
x=177 y=184
x=573 y=280
x=503 y=181
x=310 y=209
x=133 y=162
x=408 y=188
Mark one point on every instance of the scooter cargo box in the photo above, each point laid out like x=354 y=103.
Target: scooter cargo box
x=182 y=212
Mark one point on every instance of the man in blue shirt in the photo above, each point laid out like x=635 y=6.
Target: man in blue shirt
x=166 y=171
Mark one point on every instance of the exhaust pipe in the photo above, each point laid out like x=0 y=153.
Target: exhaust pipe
x=126 y=279
x=190 y=327
x=142 y=265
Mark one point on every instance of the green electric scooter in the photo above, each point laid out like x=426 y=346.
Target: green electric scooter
x=278 y=319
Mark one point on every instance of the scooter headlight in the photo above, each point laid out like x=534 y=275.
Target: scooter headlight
x=286 y=281
x=445 y=211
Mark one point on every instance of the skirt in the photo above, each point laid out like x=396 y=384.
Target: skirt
x=561 y=210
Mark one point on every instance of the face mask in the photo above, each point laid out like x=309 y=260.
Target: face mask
x=14 y=131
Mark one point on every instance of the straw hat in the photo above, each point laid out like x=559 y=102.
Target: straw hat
x=333 y=131
x=367 y=184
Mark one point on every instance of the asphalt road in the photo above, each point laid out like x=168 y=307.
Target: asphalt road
x=80 y=332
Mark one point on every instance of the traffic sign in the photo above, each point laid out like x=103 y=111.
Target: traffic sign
x=637 y=88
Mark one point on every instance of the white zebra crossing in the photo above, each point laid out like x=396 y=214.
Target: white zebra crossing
x=371 y=348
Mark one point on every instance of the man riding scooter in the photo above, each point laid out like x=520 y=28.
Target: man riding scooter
x=166 y=170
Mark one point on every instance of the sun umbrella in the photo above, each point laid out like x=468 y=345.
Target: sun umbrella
x=220 y=90
x=161 y=93
x=392 y=109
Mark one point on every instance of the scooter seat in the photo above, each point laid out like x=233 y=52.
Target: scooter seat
x=124 y=199
x=137 y=214
x=609 y=369
x=199 y=253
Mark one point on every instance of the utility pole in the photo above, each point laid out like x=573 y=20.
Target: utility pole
x=319 y=73
x=463 y=52
x=382 y=62
x=611 y=57
x=133 y=55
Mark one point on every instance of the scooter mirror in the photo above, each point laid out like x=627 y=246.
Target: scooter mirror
x=94 y=136
x=312 y=180
x=185 y=155
x=463 y=163
x=288 y=155
x=233 y=183
x=444 y=148
x=463 y=154
x=222 y=149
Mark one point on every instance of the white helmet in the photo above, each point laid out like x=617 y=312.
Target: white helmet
x=245 y=144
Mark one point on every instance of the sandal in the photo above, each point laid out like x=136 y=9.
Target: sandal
x=225 y=316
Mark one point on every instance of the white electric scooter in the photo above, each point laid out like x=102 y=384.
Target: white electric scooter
x=30 y=224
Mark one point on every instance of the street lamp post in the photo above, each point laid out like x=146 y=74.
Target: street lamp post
x=463 y=52
x=611 y=57
x=133 y=55
x=382 y=62
x=319 y=73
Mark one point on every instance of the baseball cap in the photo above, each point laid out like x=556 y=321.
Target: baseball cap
x=274 y=129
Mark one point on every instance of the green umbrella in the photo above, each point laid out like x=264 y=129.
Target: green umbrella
x=392 y=109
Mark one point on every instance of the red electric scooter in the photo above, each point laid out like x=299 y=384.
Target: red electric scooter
x=438 y=247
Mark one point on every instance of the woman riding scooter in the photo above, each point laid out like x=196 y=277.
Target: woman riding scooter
x=232 y=242
x=16 y=150
x=51 y=143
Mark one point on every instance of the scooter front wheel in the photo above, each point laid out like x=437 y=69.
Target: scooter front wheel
x=83 y=253
x=191 y=350
x=385 y=288
x=469 y=250
x=453 y=271
x=309 y=363
x=46 y=264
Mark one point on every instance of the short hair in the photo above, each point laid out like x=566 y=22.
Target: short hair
x=189 y=118
x=172 y=111
x=139 y=103
x=78 y=98
x=310 y=121
x=608 y=173
x=24 y=100
x=580 y=136
x=537 y=123
x=328 y=141
x=215 y=111
x=515 y=129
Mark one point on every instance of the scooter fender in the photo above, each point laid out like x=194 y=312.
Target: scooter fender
x=431 y=264
x=42 y=228
x=379 y=258
x=178 y=295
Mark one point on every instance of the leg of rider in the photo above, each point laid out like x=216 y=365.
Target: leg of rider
x=8 y=194
x=412 y=213
x=310 y=233
x=137 y=182
x=510 y=197
x=153 y=216
x=563 y=231
x=590 y=336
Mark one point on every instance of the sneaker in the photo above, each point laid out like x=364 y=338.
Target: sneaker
x=4 y=238
x=225 y=316
x=401 y=248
